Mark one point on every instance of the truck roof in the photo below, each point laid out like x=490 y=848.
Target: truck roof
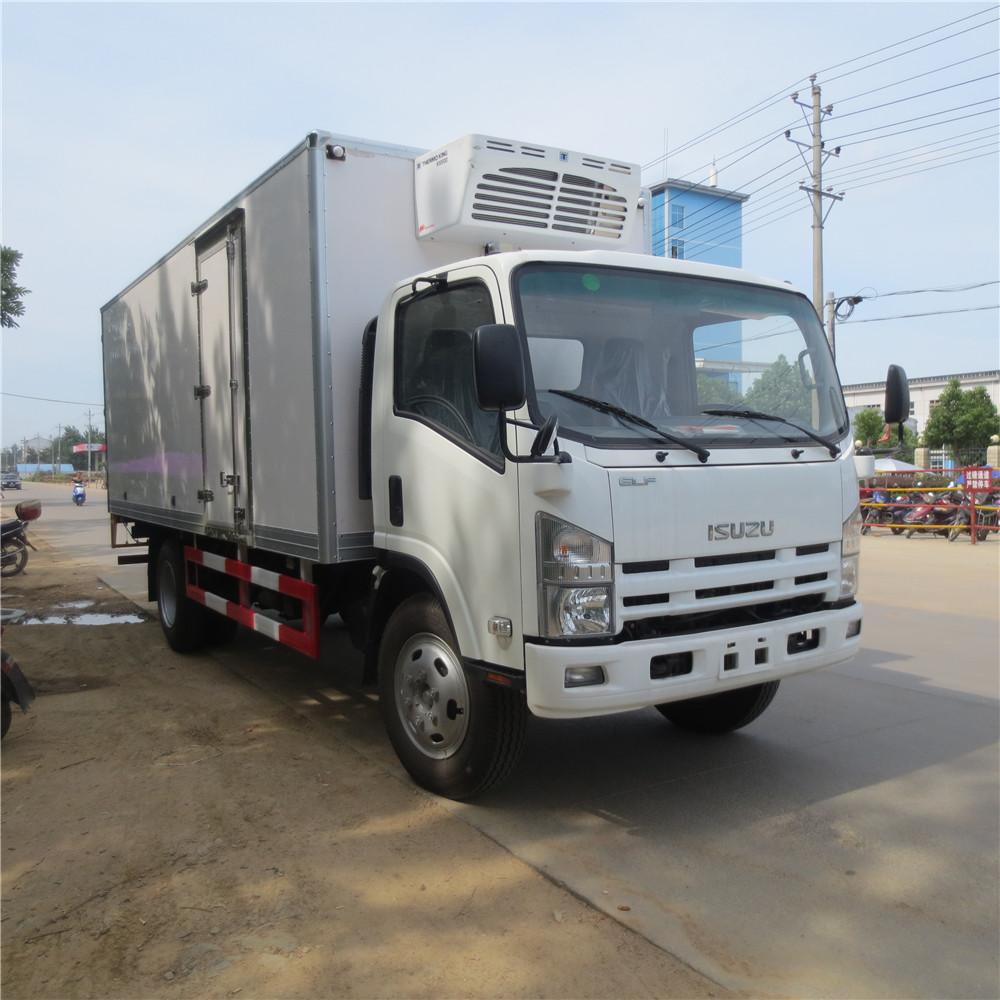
x=506 y=261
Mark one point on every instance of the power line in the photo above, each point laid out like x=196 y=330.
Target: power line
x=946 y=288
x=912 y=38
x=916 y=48
x=865 y=172
x=707 y=230
x=917 y=76
x=768 y=102
x=925 y=93
x=910 y=173
x=916 y=128
x=933 y=114
x=936 y=312
x=977 y=133
x=44 y=399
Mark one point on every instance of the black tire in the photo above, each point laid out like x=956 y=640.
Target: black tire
x=5 y=717
x=721 y=713
x=897 y=531
x=982 y=534
x=486 y=745
x=19 y=552
x=185 y=623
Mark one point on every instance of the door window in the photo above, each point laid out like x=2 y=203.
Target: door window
x=435 y=377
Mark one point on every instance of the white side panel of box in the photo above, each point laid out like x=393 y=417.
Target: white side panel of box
x=370 y=248
x=150 y=336
x=280 y=358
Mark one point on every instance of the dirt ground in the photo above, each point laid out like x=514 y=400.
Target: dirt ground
x=171 y=830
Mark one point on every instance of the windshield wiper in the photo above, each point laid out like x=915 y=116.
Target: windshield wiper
x=834 y=449
x=633 y=418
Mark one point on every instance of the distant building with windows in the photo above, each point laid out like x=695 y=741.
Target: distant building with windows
x=698 y=222
x=703 y=223
x=924 y=393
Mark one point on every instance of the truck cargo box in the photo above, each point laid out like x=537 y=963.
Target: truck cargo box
x=232 y=364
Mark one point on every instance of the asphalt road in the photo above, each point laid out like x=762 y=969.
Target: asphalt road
x=845 y=844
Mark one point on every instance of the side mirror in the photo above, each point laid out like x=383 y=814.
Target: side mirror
x=499 y=367
x=897 y=395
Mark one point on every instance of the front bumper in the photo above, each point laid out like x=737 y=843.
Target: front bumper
x=627 y=665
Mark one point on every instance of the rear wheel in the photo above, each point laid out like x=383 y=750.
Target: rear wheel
x=720 y=713
x=15 y=558
x=5 y=717
x=185 y=623
x=455 y=734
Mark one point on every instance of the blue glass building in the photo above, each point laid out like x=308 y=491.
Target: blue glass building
x=703 y=223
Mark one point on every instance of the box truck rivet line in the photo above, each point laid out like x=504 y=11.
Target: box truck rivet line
x=454 y=398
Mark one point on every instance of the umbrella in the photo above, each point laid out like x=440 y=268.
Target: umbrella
x=894 y=465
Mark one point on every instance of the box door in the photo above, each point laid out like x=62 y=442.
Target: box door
x=220 y=293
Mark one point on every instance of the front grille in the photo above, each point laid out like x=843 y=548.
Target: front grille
x=726 y=579
x=655 y=566
x=663 y=626
x=736 y=557
x=737 y=588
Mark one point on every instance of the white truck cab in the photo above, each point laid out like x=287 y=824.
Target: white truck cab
x=571 y=481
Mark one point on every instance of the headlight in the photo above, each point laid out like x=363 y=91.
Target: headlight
x=850 y=551
x=575 y=580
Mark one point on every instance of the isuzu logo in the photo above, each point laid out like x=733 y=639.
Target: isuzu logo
x=740 y=529
x=636 y=480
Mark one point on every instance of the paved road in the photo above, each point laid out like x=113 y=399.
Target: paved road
x=843 y=845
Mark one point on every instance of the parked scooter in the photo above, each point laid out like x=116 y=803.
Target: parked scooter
x=928 y=512
x=14 y=539
x=985 y=519
x=79 y=493
x=14 y=688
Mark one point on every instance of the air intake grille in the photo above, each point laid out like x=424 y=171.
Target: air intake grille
x=546 y=199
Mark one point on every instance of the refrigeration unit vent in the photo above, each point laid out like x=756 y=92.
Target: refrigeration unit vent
x=484 y=189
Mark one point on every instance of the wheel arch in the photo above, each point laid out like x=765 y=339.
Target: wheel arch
x=401 y=577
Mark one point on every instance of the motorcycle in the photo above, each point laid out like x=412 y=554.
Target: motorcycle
x=79 y=494
x=985 y=519
x=876 y=515
x=14 y=688
x=14 y=541
x=928 y=512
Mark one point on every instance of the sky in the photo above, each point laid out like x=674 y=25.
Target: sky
x=126 y=125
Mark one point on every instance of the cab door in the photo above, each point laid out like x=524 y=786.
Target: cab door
x=219 y=290
x=447 y=498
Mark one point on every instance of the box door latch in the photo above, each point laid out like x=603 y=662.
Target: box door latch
x=202 y=391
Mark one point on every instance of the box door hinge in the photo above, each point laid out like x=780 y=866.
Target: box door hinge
x=202 y=391
x=197 y=287
x=231 y=248
x=206 y=495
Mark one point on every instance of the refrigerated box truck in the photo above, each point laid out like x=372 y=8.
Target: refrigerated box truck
x=452 y=396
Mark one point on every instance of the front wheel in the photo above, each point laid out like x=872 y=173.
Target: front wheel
x=455 y=734
x=14 y=559
x=720 y=713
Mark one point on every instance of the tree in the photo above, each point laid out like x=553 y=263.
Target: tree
x=11 y=293
x=780 y=391
x=962 y=420
x=868 y=427
x=715 y=389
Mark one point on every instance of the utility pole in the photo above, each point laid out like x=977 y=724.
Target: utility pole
x=833 y=307
x=89 y=419
x=814 y=114
x=831 y=323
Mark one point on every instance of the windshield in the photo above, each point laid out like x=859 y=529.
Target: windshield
x=668 y=347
